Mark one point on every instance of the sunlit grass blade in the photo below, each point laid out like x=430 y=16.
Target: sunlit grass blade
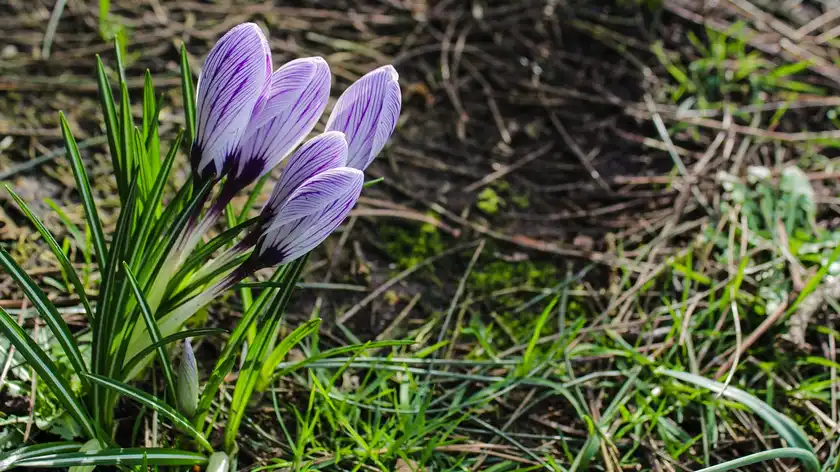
x=47 y=371
x=784 y=426
x=282 y=369
x=249 y=375
x=228 y=356
x=154 y=333
x=109 y=110
x=83 y=187
x=188 y=91
x=126 y=138
x=56 y=249
x=151 y=111
x=272 y=360
x=119 y=49
x=188 y=333
x=200 y=256
x=128 y=457
x=161 y=408
x=47 y=310
x=11 y=458
x=110 y=317
x=528 y=357
x=147 y=178
x=153 y=263
x=809 y=461
x=152 y=203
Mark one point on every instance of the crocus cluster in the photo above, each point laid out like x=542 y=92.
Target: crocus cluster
x=248 y=120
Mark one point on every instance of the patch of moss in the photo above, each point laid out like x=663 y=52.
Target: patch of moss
x=489 y=201
x=499 y=275
x=411 y=246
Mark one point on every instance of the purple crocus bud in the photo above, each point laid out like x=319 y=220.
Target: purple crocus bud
x=367 y=114
x=234 y=75
x=321 y=153
x=310 y=213
x=283 y=116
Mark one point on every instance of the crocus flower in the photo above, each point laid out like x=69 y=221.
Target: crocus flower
x=283 y=116
x=310 y=214
x=315 y=194
x=321 y=153
x=249 y=120
x=233 y=77
x=367 y=114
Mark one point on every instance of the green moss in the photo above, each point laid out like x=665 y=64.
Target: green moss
x=411 y=246
x=489 y=201
x=499 y=275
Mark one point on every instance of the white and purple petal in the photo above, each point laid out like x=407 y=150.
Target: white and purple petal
x=282 y=118
x=315 y=194
x=234 y=76
x=321 y=153
x=367 y=114
x=285 y=243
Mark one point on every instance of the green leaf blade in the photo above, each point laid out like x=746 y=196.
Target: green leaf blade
x=66 y=266
x=83 y=187
x=188 y=91
x=47 y=371
x=149 y=401
x=48 y=312
x=123 y=457
x=154 y=332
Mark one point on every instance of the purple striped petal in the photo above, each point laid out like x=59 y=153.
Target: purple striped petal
x=279 y=245
x=316 y=194
x=321 y=153
x=234 y=76
x=367 y=114
x=282 y=118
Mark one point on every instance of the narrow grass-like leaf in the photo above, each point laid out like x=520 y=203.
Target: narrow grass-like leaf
x=128 y=457
x=11 y=458
x=47 y=371
x=81 y=242
x=809 y=461
x=119 y=49
x=151 y=111
x=152 y=203
x=228 y=356
x=126 y=138
x=66 y=266
x=528 y=357
x=188 y=93
x=83 y=187
x=109 y=317
x=293 y=339
x=153 y=264
x=154 y=332
x=203 y=253
x=47 y=311
x=286 y=368
x=188 y=333
x=109 y=110
x=147 y=177
x=249 y=375
x=149 y=401
x=784 y=426
x=92 y=445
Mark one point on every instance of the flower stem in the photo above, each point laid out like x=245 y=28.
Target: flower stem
x=173 y=321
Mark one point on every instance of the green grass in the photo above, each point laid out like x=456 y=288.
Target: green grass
x=534 y=363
